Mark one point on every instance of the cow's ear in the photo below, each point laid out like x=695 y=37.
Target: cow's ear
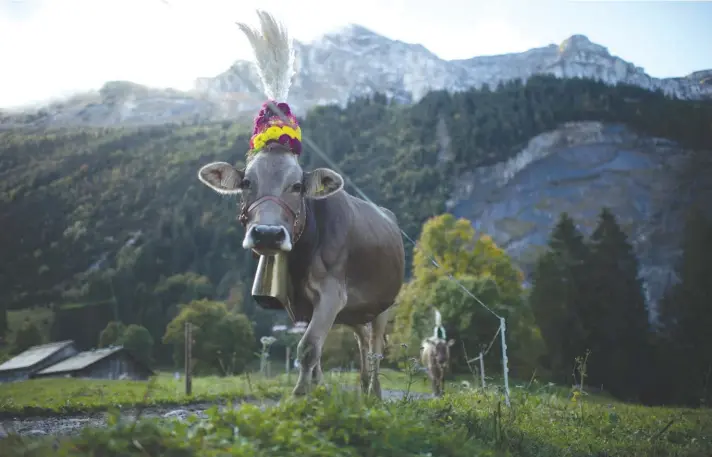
x=222 y=177
x=322 y=182
x=450 y=343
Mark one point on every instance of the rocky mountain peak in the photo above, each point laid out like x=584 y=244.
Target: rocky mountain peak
x=349 y=32
x=354 y=61
x=349 y=62
x=581 y=44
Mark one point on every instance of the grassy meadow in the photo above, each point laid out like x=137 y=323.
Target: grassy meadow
x=63 y=396
x=543 y=420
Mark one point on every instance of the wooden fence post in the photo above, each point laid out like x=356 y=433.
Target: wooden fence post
x=482 y=369
x=188 y=357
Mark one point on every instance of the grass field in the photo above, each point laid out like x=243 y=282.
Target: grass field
x=48 y=397
x=543 y=421
x=41 y=397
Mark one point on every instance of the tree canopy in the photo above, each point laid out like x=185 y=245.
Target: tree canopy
x=488 y=286
x=223 y=341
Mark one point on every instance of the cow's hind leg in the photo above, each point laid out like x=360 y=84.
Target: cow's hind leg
x=378 y=331
x=331 y=297
x=362 y=338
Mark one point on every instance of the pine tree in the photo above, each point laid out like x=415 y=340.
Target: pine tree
x=558 y=296
x=686 y=316
x=617 y=318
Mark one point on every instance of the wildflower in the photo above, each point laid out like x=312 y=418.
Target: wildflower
x=267 y=340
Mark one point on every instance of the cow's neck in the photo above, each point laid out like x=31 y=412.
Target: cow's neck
x=301 y=257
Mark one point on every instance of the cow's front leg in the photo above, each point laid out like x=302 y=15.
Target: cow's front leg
x=329 y=300
x=434 y=384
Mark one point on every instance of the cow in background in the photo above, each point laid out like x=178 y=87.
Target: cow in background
x=435 y=357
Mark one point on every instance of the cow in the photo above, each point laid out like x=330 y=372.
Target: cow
x=435 y=357
x=345 y=256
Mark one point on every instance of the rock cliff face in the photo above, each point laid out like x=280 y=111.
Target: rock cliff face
x=346 y=64
x=580 y=168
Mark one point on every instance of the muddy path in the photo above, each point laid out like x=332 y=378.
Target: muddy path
x=70 y=425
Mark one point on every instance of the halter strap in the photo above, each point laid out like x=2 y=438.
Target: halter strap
x=297 y=227
x=277 y=200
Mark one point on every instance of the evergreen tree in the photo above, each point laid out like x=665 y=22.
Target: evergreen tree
x=617 y=318
x=686 y=316
x=558 y=296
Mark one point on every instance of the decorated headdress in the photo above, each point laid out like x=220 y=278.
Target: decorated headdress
x=274 y=56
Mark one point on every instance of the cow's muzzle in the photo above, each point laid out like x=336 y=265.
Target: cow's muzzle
x=267 y=239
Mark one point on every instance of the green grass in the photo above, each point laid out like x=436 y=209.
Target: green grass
x=61 y=396
x=54 y=396
x=541 y=422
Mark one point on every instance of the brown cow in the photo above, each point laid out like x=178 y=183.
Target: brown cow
x=346 y=259
x=435 y=357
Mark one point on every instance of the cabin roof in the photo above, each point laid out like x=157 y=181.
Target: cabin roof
x=81 y=360
x=34 y=355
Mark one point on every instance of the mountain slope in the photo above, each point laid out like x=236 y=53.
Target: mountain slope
x=106 y=216
x=350 y=63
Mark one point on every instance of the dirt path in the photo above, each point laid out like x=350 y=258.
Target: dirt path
x=69 y=425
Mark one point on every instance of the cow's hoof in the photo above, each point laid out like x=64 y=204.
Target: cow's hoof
x=300 y=391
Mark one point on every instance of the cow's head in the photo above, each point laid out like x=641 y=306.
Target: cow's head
x=441 y=350
x=273 y=187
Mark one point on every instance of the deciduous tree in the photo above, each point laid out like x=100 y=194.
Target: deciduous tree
x=223 y=341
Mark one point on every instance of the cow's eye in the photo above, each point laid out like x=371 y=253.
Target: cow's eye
x=297 y=188
x=245 y=184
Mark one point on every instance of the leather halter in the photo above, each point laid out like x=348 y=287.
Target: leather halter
x=297 y=227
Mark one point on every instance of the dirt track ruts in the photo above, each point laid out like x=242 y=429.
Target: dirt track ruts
x=70 y=425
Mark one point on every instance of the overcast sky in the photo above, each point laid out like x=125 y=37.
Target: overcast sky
x=51 y=48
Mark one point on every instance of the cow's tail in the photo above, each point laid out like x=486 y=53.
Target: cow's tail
x=274 y=55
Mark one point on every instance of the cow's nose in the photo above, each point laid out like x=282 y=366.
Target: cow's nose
x=268 y=236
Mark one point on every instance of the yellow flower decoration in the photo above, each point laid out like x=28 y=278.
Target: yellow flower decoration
x=274 y=132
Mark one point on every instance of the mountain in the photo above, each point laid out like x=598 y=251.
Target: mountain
x=356 y=61
x=342 y=65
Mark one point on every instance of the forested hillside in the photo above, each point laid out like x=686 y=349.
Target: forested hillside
x=106 y=224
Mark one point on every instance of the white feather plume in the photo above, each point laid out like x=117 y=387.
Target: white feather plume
x=274 y=55
x=438 y=319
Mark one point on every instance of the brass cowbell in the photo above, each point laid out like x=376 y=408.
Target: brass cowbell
x=270 y=288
